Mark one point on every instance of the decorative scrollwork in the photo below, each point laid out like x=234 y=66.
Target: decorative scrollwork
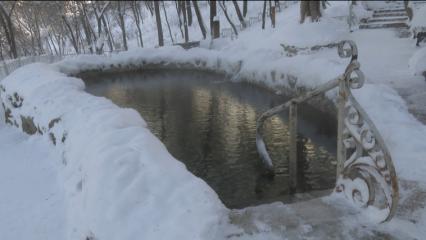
x=368 y=176
x=365 y=172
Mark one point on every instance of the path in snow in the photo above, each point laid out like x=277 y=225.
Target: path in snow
x=331 y=218
x=384 y=59
x=31 y=200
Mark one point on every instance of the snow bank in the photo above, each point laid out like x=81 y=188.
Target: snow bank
x=419 y=17
x=405 y=136
x=340 y=9
x=120 y=181
x=417 y=63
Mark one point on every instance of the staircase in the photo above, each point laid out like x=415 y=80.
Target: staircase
x=393 y=16
x=387 y=18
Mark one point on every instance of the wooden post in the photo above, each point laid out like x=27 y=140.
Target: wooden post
x=216 y=29
x=273 y=16
x=293 y=147
x=213 y=25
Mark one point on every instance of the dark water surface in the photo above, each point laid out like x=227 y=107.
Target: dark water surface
x=210 y=125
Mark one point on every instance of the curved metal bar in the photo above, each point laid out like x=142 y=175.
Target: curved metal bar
x=260 y=143
x=364 y=164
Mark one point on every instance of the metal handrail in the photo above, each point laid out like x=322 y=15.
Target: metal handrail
x=364 y=164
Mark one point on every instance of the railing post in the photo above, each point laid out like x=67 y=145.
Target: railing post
x=293 y=147
x=341 y=150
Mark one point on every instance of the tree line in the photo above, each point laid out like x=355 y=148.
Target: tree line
x=40 y=27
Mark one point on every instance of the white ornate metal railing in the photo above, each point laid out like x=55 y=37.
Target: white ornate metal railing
x=365 y=172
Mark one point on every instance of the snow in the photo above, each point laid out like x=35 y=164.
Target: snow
x=419 y=17
x=32 y=202
x=417 y=62
x=116 y=180
x=115 y=172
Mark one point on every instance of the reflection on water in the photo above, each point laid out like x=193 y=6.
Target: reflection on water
x=210 y=125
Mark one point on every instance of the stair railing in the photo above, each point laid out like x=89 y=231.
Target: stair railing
x=365 y=172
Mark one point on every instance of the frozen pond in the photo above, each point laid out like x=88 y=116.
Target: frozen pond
x=210 y=125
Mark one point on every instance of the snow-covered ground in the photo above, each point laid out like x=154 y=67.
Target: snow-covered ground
x=32 y=203
x=110 y=178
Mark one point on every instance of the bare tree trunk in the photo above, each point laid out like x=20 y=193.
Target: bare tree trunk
x=304 y=10
x=73 y=38
x=38 y=35
x=86 y=27
x=223 y=7
x=178 y=14
x=244 y=8
x=213 y=12
x=310 y=8
x=135 y=7
x=148 y=5
x=159 y=27
x=185 y=21
x=1 y=52
x=122 y=24
x=277 y=5
x=199 y=18
x=189 y=12
x=53 y=44
x=107 y=30
x=314 y=7
x=87 y=33
x=167 y=22
x=263 y=14
x=6 y=21
x=6 y=30
x=240 y=16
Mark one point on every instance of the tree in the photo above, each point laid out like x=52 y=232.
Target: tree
x=120 y=12
x=73 y=38
x=240 y=16
x=137 y=16
x=200 y=19
x=148 y=5
x=223 y=7
x=263 y=14
x=244 y=8
x=158 y=20
x=213 y=12
x=167 y=22
x=177 y=4
x=8 y=27
x=189 y=12
x=99 y=14
x=185 y=21
x=310 y=9
x=86 y=26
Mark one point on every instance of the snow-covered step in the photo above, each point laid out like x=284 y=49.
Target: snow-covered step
x=387 y=19
x=401 y=4
x=390 y=14
x=384 y=25
x=392 y=10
